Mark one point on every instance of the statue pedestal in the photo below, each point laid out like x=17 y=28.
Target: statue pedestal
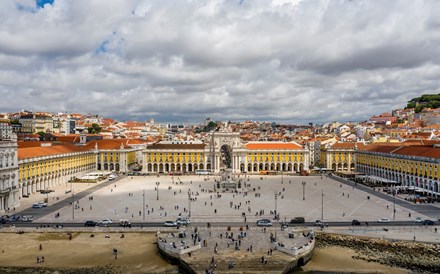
x=227 y=183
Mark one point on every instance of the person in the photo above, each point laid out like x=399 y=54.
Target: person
x=41 y=247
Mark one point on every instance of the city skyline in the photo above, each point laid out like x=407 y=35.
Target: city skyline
x=283 y=61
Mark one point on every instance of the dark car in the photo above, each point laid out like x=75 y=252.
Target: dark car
x=91 y=223
x=355 y=222
x=428 y=222
x=297 y=220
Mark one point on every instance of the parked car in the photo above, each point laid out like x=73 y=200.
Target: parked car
x=182 y=221
x=14 y=218
x=418 y=220
x=428 y=222
x=355 y=222
x=170 y=224
x=319 y=223
x=37 y=205
x=297 y=220
x=90 y=223
x=27 y=218
x=264 y=222
x=124 y=223
x=106 y=221
x=384 y=220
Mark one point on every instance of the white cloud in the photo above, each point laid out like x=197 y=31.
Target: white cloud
x=295 y=61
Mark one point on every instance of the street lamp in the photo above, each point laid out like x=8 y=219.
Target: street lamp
x=189 y=203
x=322 y=205
x=73 y=201
x=394 y=203
x=143 y=205
x=304 y=190
x=276 y=199
x=157 y=189
x=282 y=177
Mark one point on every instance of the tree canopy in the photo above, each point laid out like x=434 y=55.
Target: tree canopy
x=424 y=101
x=94 y=129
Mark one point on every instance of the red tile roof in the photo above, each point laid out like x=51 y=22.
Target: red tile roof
x=177 y=146
x=32 y=152
x=272 y=146
x=409 y=150
x=23 y=144
x=109 y=144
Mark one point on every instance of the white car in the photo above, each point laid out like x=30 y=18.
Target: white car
x=182 y=221
x=418 y=220
x=106 y=221
x=264 y=222
x=384 y=220
x=170 y=224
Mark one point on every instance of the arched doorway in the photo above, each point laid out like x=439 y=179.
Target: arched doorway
x=226 y=156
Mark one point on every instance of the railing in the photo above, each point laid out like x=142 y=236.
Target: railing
x=297 y=251
x=179 y=250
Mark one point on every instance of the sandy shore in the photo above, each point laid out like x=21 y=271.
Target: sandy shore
x=137 y=252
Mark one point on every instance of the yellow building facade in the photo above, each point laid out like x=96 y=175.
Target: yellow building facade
x=415 y=166
x=339 y=156
x=41 y=168
x=225 y=151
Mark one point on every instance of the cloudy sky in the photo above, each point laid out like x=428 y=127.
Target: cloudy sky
x=184 y=60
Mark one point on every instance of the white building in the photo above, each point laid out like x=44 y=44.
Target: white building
x=9 y=192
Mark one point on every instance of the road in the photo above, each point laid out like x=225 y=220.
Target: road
x=215 y=224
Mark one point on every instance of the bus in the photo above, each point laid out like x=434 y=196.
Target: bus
x=267 y=172
x=202 y=172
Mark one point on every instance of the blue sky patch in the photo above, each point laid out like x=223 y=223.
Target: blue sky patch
x=41 y=3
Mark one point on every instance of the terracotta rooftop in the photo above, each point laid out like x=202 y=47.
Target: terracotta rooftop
x=110 y=143
x=272 y=146
x=23 y=144
x=409 y=150
x=177 y=146
x=341 y=145
x=32 y=152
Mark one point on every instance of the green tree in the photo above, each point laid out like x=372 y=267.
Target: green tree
x=94 y=129
x=211 y=125
x=42 y=134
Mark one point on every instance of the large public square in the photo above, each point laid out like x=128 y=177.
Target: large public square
x=311 y=197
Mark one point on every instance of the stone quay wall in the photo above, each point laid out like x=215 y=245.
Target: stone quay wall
x=404 y=254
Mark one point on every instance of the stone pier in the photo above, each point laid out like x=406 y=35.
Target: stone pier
x=237 y=249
